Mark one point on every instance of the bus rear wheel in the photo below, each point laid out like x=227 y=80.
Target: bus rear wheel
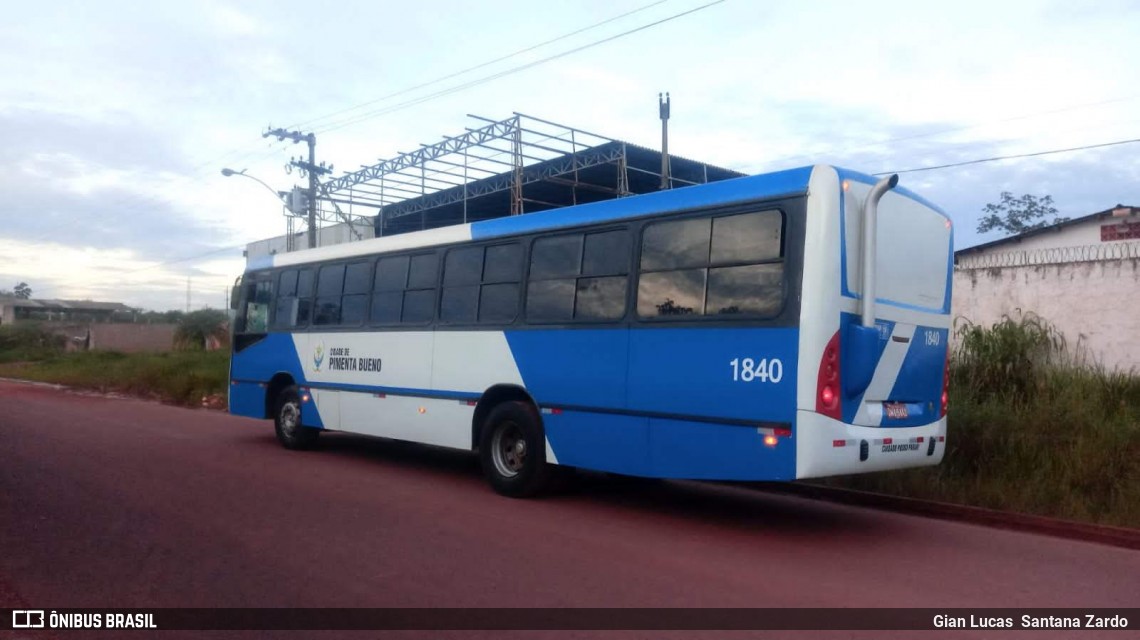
x=287 y=421
x=512 y=451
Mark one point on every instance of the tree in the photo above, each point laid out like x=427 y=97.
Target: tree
x=23 y=291
x=196 y=327
x=1018 y=215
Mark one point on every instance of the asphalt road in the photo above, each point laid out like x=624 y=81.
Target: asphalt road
x=108 y=502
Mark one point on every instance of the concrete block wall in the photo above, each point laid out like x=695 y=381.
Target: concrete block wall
x=1096 y=305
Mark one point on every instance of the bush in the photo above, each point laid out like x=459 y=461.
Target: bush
x=196 y=327
x=1009 y=358
x=23 y=342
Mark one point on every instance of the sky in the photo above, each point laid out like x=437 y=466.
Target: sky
x=117 y=117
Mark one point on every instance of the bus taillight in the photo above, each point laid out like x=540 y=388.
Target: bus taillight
x=827 y=383
x=945 y=386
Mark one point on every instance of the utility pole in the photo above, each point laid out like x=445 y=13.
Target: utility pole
x=187 y=294
x=309 y=168
x=663 y=105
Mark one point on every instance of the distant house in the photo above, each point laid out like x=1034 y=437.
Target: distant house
x=13 y=310
x=1083 y=275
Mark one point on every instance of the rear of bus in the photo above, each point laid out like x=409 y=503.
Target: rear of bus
x=872 y=388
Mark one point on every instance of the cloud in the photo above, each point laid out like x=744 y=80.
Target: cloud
x=122 y=113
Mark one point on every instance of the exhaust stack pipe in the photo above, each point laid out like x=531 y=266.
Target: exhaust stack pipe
x=870 y=224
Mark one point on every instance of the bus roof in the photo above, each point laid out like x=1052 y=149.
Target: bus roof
x=769 y=185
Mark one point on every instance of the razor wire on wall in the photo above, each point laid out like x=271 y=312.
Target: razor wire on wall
x=1054 y=255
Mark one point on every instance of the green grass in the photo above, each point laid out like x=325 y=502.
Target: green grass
x=178 y=377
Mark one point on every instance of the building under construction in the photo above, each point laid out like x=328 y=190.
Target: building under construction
x=506 y=167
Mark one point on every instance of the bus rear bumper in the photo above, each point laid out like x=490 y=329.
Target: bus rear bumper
x=827 y=447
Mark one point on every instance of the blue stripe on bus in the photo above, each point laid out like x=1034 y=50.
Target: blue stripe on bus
x=782 y=183
x=919 y=380
x=920 y=377
x=639 y=370
x=851 y=404
x=667 y=448
x=573 y=366
x=395 y=391
x=261 y=361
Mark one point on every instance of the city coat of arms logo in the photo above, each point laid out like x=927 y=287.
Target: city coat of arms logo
x=318 y=356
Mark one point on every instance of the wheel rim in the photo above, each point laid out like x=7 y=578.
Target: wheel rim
x=508 y=450
x=290 y=417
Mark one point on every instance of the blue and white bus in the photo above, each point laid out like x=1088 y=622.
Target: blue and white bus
x=773 y=327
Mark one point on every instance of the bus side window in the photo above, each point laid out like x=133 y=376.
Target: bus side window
x=578 y=277
x=388 y=289
x=258 y=296
x=462 y=273
x=330 y=287
x=499 y=295
x=601 y=292
x=746 y=269
x=419 y=298
x=354 y=303
x=294 y=298
x=728 y=265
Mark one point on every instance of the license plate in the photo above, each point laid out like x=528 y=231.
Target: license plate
x=895 y=410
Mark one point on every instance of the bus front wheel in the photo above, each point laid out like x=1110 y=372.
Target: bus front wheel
x=287 y=421
x=512 y=450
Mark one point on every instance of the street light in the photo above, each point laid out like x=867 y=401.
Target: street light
x=227 y=172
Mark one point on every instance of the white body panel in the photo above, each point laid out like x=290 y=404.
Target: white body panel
x=416 y=239
x=819 y=311
x=418 y=362
x=441 y=422
x=817 y=455
x=472 y=361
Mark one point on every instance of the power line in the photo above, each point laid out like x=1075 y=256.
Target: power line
x=204 y=166
x=333 y=126
x=247 y=154
x=913 y=170
x=1011 y=157
x=975 y=125
x=449 y=76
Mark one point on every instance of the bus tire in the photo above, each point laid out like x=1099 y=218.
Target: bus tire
x=287 y=421
x=512 y=450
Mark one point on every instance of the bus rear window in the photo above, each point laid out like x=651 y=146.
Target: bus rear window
x=913 y=260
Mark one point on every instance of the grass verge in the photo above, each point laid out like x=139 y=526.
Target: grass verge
x=177 y=377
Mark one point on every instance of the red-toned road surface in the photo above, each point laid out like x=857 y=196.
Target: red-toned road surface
x=108 y=502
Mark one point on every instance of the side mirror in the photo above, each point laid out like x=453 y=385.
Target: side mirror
x=235 y=293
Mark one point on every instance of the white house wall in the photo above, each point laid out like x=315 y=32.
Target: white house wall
x=1094 y=304
x=1087 y=288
